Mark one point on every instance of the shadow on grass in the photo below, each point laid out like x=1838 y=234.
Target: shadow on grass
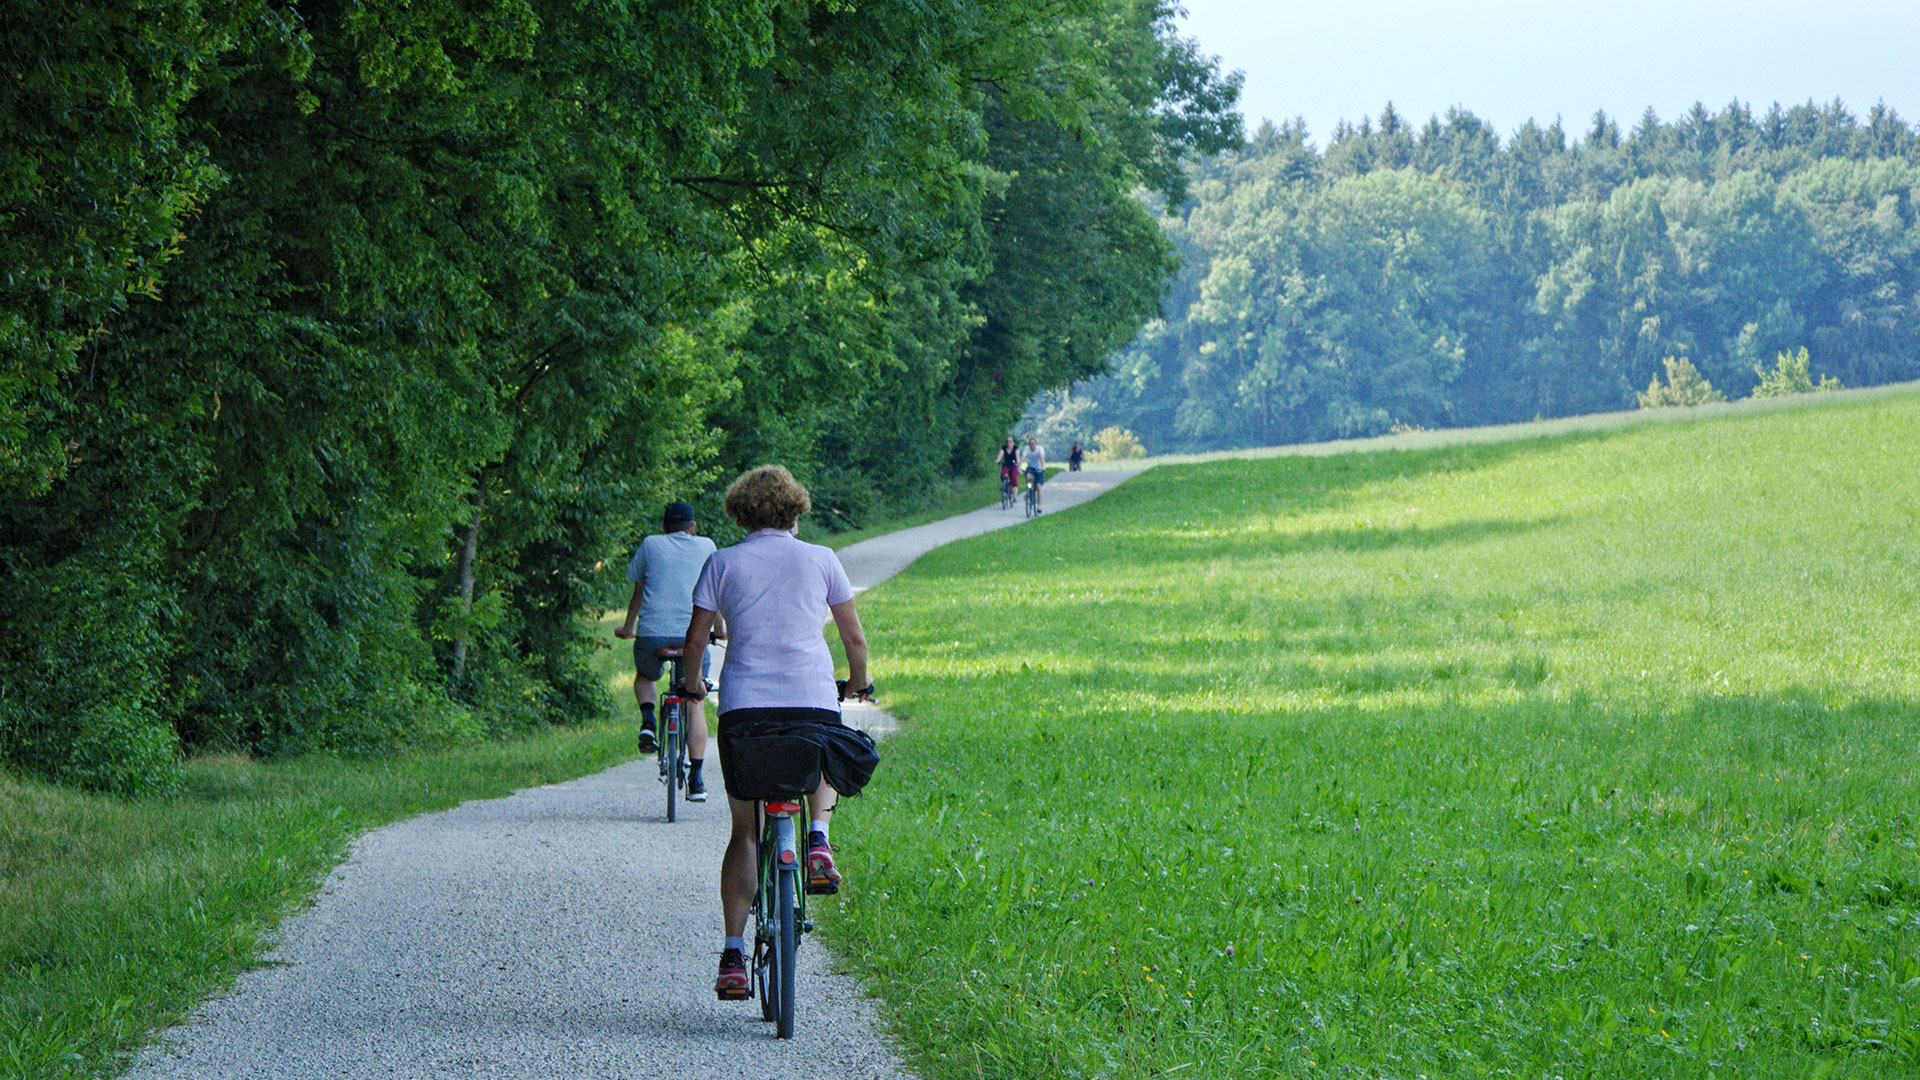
x=1808 y=771
x=1158 y=517
x=1299 y=485
x=1172 y=547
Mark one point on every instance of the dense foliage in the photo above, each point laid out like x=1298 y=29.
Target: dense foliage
x=1438 y=276
x=348 y=347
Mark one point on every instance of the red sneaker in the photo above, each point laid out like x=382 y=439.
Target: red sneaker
x=822 y=878
x=732 y=984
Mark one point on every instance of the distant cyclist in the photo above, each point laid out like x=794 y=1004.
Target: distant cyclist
x=663 y=572
x=775 y=592
x=1075 y=456
x=1033 y=458
x=1009 y=462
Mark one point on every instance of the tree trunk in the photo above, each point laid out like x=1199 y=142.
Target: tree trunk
x=469 y=547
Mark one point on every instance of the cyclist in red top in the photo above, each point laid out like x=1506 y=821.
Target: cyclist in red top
x=1009 y=462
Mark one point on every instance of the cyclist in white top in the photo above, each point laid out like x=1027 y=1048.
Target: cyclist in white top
x=774 y=593
x=1033 y=458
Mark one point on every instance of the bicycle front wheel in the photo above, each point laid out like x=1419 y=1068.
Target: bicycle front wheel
x=763 y=985
x=766 y=973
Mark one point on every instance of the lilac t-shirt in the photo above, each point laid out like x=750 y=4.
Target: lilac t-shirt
x=774 y=591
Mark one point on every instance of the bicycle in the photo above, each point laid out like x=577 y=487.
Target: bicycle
x=1033 y=496
x=785 y=768
x=1006 y=490
x=672 y=750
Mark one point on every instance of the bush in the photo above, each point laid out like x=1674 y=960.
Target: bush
x=1791 y=375
x=1115 y=444
x=1685 y=387
x=83 y=657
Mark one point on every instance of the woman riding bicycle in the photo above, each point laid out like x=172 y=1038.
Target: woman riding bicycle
x=775 y=592
x=1009 y=462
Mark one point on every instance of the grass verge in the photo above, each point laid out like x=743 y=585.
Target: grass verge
x=116 y=916
x=1592 y=756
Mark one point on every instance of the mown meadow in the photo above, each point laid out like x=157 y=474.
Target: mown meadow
x=1589 y=756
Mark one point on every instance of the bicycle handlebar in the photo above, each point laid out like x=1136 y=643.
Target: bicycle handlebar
x=840 y=687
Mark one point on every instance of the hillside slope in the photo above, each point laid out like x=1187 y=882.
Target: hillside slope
x=1585 y=756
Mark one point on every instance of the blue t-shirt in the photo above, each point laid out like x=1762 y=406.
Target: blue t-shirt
x=665 y=568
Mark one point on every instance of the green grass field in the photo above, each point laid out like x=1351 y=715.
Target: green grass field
x=1589 y=756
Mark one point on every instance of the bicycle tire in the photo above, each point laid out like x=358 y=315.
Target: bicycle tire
x=670 y=751
x=786 y=935
x=1033 y=503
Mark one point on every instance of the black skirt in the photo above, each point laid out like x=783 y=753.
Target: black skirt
x=784 y=753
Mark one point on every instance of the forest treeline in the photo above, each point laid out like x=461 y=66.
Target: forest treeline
x=346 y=348
x=1436 y=275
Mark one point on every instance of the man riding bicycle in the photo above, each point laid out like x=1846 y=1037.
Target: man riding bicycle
x=774 y=593
x=663 y=572
x=1034 y=459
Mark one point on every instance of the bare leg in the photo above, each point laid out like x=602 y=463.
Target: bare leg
x=697 y=730
x=737 y=866
x=643 y=691
x=822 y=800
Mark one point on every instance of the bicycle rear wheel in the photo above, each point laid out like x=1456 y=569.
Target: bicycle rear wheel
x=786 y=942
x=670 y=751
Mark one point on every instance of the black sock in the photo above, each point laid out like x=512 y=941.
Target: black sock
x=646 y=715
x=693 y=766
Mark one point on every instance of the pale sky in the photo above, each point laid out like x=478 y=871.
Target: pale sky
x=1506 y=60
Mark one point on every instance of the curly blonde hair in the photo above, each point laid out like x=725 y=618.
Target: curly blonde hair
x=767 y=498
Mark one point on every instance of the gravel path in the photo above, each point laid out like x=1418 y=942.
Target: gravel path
x=565 y=931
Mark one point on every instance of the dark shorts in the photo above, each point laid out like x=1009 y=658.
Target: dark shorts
x=1038 y=476
x=650 y=667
